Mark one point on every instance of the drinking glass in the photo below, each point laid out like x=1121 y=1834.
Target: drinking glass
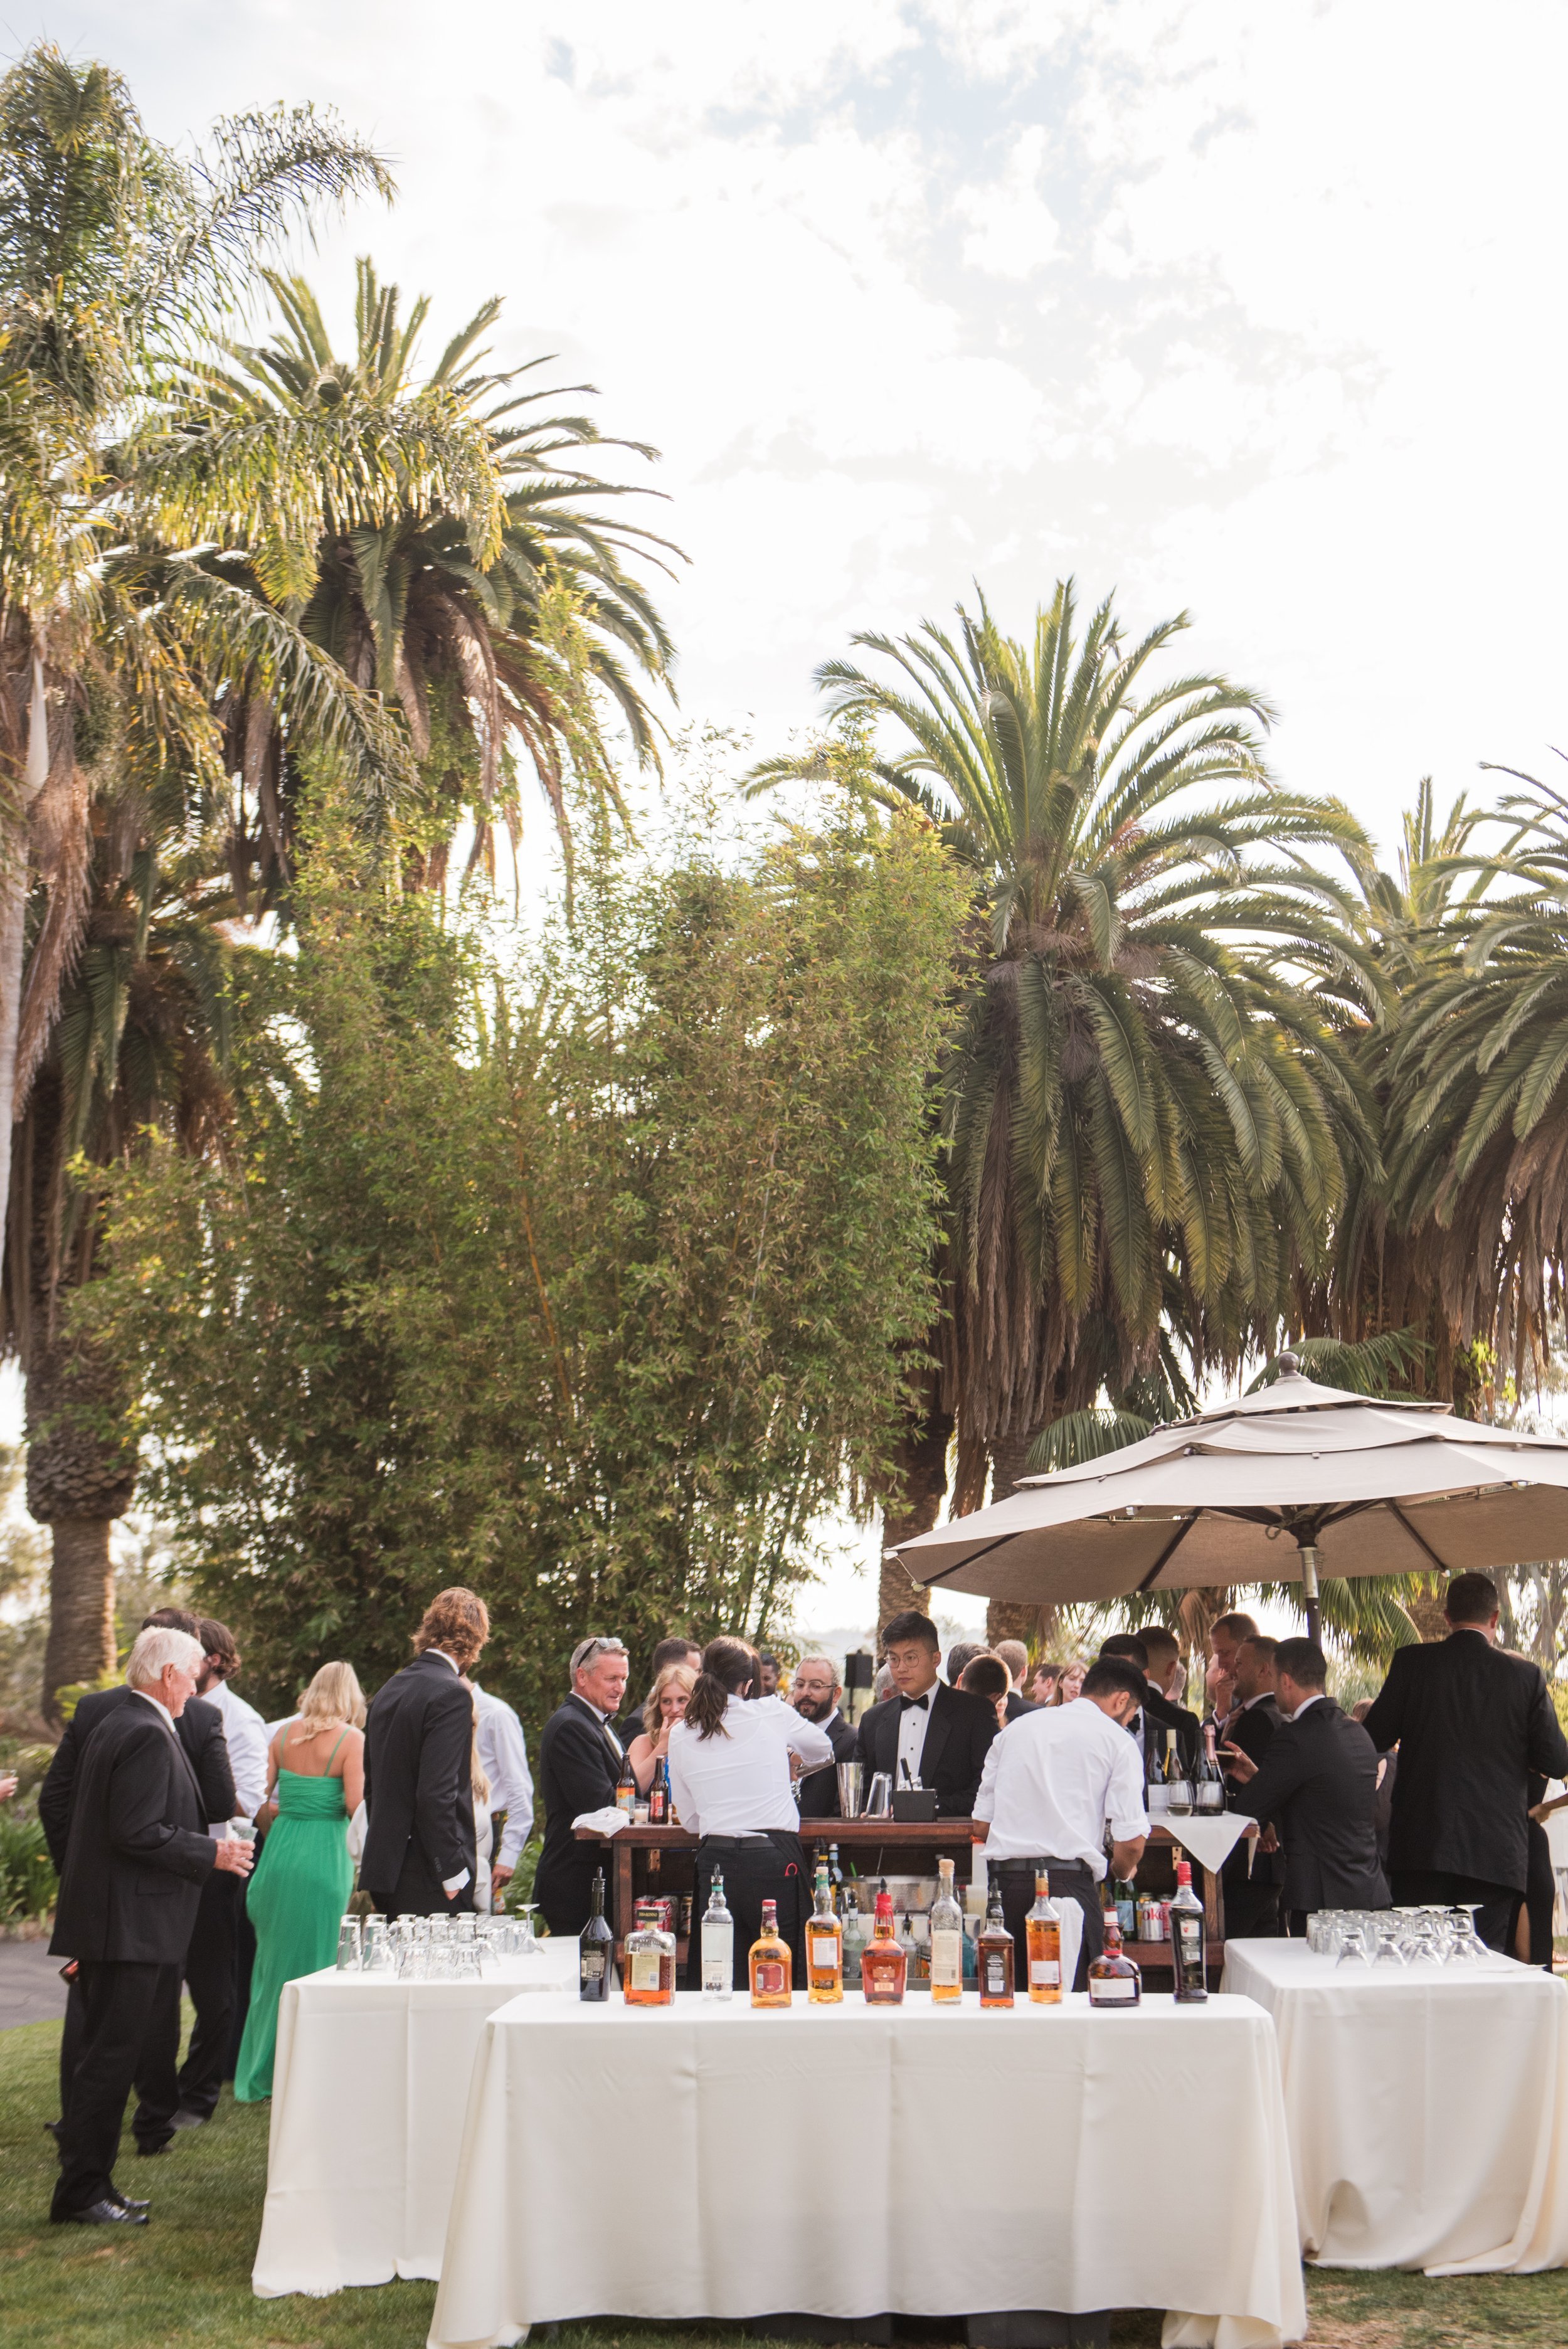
x=1353 y=1937
x=1467 y=1948
x=412 y=1961
x=375 y=1946
x=526 y=1944
x=348 y=1953
x=440 y=1929
x=464 y=1926
x=879 y=1796
x=851 y=1788
x=1389 y=1947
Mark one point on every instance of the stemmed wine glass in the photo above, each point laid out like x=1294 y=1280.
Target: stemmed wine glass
x=526 y=1946
x=1467 y=1947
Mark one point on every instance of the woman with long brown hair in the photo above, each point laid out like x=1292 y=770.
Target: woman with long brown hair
x=731 y=1779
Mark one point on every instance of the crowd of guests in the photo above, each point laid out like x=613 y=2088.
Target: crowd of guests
x=168 y=1785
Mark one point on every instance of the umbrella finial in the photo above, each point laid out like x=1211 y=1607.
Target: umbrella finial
x=1289 y=1365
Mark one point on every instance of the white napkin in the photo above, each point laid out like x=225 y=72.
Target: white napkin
x=1209 y=1841
x=606 y=1822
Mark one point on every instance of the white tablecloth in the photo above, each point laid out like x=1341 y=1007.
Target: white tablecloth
x=368 y=2091
x=1426 y=2107
x=842 y=2161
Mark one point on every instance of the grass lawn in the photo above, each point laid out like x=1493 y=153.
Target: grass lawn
x=185 y=2279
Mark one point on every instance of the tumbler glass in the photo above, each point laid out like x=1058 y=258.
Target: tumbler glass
x=376 y=1946
x=879 y=1796
x=348 y=1953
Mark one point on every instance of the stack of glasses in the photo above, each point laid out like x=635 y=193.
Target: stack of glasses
x=1394 y=1937
x=432 y=1949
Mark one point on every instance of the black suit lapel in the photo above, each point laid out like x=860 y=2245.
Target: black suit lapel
x=936 y=1734
x=612 y=1748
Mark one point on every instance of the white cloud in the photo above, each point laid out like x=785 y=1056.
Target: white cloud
x=1013 y=232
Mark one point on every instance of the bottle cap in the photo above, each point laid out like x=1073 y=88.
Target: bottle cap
x=885 y=1904
x=1184 y=1872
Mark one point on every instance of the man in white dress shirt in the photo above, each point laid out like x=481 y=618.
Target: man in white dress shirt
x=1053 y=1782
x=503 y=1758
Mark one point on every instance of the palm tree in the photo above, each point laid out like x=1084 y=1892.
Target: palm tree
x=516 y=621
x=1148 y=1112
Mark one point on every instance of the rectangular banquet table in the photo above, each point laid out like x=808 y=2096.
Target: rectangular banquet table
x=1426 y=2107
x=848 y=2161
x=368 y=2091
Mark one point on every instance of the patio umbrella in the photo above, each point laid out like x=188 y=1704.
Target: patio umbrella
x=1294 y=1482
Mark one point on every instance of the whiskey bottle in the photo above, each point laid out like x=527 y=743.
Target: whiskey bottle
x=883 y=1962
x=650 y=1974
x=1113 y=1979
x=1192 y=1987
x=596 y=1949
x=771 y=1963
x=824 y=1946
x=946 y=1941
x=659 y=1794
x=718 y=1943
x=627 y=1789
x=993 y=1950
x=1209 y=1786
x=1043 y=1932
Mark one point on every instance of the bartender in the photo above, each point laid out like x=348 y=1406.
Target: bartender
x=731 y=1780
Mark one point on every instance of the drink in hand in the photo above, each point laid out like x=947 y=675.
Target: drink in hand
x=650 y=1976
x=1187 y=1940
x=946 y=1941
x=882 y=1960
x=1113 y=1979
x=824 y=1946
x=1044 y=1933
x=595 y=1950
x=772 y=1967
x=718 y=1943
x=993 y=1952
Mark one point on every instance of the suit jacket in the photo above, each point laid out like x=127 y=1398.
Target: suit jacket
x=1017 y=1706
x=957 y=1739
x=1472 y=1722
x=138 y=1851
x=820 y=1788
x=578 y=1768
x=1253 y=1731
x=201 y=1731
x=1161 y=1721
x=419 y=1789
x=1319 y=1783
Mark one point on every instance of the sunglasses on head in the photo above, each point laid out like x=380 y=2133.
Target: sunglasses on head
x=586 y=1651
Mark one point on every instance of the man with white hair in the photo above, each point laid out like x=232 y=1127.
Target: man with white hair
x=814 y=1692
x=138 y=1826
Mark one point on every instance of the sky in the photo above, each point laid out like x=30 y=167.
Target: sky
x=1251 y=308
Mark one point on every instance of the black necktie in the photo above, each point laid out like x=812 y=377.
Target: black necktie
x=914 y=1704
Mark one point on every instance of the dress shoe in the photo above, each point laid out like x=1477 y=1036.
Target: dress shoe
x=103 y=2214
x=189 y=2117
x=161 y=2145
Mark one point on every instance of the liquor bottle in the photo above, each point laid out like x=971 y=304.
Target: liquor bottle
x=627 y=1789
x=659 y=1794
x=824 y=1946
x=946 y=1941
x=1178 y=1786
x=1113 y=1979
x=883 y=1962
x=994 y=1949
x=1192 y=1985
x=596 y=1948
x=1043 y=1930
x=772 y=1966
x=1209 y=1786
x=650 y=1976
x=718 y=1943
x=836 y=1879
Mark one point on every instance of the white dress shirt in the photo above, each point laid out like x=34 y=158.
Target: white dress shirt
x=737 y=1781
x=914 y=1721
x=161 y=1709
x=1054 y=1779
x=503 y=1757
x=246 y=1733
x=1316 y=1698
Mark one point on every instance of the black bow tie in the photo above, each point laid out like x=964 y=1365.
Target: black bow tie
x=915 y=1704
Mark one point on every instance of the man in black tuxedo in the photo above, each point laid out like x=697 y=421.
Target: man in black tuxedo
x=1252 y=1895
x=138 y=1854
x=1158 y=1721
x=1318 y=1783
x=814 y=1692
x=1015 y=1656
x=580 y=1757
x=200 y=1728
x=941 y=1735
x=419 y=1841
x=1472 y=1723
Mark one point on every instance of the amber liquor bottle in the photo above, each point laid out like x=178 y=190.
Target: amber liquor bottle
x=824 y=1946
x=1042 y=1927
x=1113 y=1979
x=1187 y=1954
x=883 y=1962
x=772 y=1967
x=650 y=1969
x=993 y=1954
x=947 y=1941
x=626 y=1795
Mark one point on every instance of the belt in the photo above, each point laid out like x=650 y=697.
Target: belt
x=1057 y=1867
x=739 y=1843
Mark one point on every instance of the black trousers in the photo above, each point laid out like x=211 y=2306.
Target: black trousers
x=1252 y=1910
x=755 y=1868
x=119 y=2004
x=417 y=1893
x=1539 y=1895
x=1071 y=1879
x=1414 y=1888
x=154 y=2078
x=211 y=1977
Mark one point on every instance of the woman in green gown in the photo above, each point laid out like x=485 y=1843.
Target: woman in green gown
x=295 y=1899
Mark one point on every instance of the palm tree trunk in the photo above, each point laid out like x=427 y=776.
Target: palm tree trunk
x=81 y=1644
x=13 y=922
x=911 y=1501
x=1007 y=1618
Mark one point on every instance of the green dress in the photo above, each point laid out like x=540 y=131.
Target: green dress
x=296 y=1901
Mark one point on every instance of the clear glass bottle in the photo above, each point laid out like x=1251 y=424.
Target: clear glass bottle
x=718 y=1943
x=1209 y=1786
x=882 y=1960
x=650 y=1974
x=946 y=1941
x=824 y=1946
x=772 y=1966
x=993 y=1952
x=1178 y=1786
x=1113 y=1979
x=1043 y=1932
x=1124 y=1896
x=596 y=1949
x=1192 y=1985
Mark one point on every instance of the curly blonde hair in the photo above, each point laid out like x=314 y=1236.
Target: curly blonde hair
x=683 y=1676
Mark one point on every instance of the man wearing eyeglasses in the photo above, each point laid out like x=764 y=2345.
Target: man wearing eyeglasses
x=579 y=1763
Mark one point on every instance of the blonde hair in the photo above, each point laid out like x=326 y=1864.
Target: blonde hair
x=686 y=1678
x=333 y=1696
x=457 y=1622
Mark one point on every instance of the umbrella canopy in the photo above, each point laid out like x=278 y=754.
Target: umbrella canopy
x=1285 y=1485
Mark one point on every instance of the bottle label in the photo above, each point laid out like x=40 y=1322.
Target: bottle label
x=997 y=1982
x=947 y=1961
x=645 y=1970
x=771 y=1980
x=824 y=1950
x=1112 y=1990
x=592 y=1965
x=1190 y=1933
x=1044 y=1969
x=625 y=1798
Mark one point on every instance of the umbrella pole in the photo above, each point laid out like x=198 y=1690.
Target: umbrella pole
x=1309 y=1586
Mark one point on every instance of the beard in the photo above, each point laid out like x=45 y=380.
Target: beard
x=813 y=1708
